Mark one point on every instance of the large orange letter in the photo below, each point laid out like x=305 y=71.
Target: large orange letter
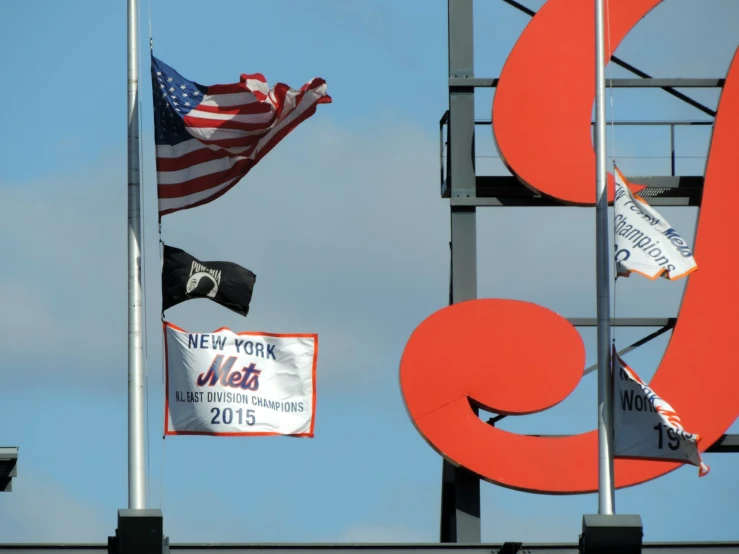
x=544 y=101
x=514 y=357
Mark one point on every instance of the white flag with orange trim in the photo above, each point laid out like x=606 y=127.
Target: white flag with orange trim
x=645 y=426
x=231 y=384
x=645 y=242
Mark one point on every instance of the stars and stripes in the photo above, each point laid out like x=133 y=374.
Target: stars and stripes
x=208 y=137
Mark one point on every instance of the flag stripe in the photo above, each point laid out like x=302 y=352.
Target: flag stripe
x=236 y=109
x=194 y=145
x=254 y=80
x=171 y=205
x=196 y=172
x=232 y=143
x=247 y=124
x=166 y=165
x=230 y=100
x=226 y=137
x=227 y=169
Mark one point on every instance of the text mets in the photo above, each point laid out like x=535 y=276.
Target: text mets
x=220 y=372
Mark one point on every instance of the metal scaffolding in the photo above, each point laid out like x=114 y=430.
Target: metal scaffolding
x=466 y=191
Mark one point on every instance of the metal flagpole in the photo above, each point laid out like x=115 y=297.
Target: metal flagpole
x=136 y=431
x=603 y=276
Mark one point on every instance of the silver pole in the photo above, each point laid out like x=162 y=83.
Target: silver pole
x=603 y=276
x=136 y=431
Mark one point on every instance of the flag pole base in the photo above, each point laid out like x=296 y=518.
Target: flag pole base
x=609 y=534
x=139 y=532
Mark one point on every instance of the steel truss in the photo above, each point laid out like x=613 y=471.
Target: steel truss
x=466 y=191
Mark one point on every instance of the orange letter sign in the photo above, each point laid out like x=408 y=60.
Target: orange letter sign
x=514 y=357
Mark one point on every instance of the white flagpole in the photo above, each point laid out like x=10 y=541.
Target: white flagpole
x=136 y=431
x=603 y=251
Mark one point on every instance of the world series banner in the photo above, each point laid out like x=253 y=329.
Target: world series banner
x=239 y=384
x=645 y=426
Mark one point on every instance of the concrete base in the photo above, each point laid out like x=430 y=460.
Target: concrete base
x=139 y=532
x=602 y=534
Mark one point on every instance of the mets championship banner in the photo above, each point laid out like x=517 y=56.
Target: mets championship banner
x=645 y=426
x=645 y=242
x=238 y=384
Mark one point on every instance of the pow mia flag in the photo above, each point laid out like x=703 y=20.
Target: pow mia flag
x=184 y=277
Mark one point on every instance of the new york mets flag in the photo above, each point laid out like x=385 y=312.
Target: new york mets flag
x=209 y=137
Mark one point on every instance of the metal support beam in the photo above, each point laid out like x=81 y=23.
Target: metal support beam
x=508 y=191
x=518 y=203
x=727 y=444
x=650 y=82
x=659 y=332
x=460 y=491
x=626 y=321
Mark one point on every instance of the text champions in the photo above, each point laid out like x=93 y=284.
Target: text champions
x=645 y=242
x=240 y=398
x=640 y=240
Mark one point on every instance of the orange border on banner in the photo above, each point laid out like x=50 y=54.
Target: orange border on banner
x=309 y=434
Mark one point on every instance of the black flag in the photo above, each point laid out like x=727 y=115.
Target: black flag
x=184 y=277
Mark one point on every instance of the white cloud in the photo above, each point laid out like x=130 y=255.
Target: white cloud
x=64 y=241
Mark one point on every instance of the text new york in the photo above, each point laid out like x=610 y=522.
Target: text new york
x=243 y=346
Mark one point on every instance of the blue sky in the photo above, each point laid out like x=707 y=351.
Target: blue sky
x=345 y=229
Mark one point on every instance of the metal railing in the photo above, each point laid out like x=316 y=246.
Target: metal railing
x=672 y=124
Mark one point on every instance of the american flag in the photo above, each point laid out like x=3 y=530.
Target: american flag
x=208 y=137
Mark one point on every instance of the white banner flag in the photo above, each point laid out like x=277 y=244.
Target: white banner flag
x=645 y=242
x=239 y=384
x=645 y=426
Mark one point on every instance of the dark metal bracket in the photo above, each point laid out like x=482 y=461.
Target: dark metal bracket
x=8 y=467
